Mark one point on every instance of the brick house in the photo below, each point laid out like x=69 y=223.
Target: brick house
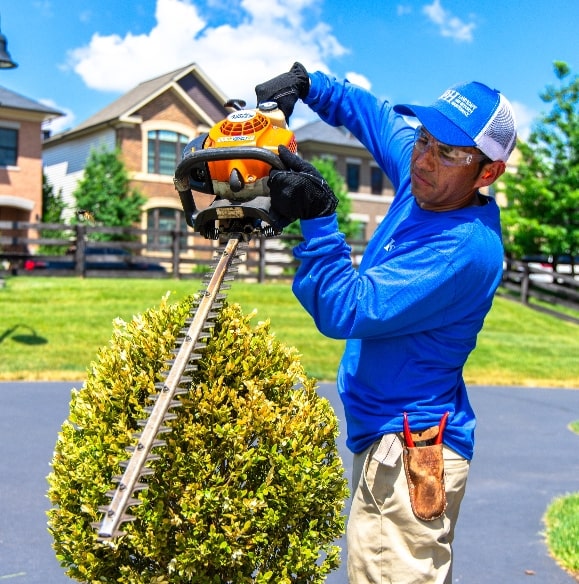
x=21 y=122
x=150 y=125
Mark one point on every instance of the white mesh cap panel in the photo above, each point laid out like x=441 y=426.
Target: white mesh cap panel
x=498 y=138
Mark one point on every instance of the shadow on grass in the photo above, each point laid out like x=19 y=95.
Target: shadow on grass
x=31 y=338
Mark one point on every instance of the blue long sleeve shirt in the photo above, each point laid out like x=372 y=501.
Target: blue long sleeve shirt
x=411 y=312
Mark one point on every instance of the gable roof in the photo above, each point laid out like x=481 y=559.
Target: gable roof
x=129 y=103
x=322 y=132
x=12 y=100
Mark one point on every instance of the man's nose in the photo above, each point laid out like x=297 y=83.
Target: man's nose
x=425 y=159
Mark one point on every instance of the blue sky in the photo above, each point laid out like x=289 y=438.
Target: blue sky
x=80 y=55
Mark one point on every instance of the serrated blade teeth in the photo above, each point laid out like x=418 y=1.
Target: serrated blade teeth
x=109 y=514
x=145 y=471
x=155 y=444
x=106 y=538
x=174 y=403
x=177 y=380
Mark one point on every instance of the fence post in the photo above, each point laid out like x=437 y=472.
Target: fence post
x=262 y=263
x=80 y=250
x=176 y=253
x=525 y=284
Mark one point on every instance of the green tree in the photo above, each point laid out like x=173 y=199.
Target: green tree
x=327 y=169
x=53 y=206
x=104 y=192
x=542 y=214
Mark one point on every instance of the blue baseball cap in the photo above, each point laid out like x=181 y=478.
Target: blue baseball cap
x=469 y=114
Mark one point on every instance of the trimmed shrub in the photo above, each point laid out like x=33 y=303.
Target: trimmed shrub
x=250 y=487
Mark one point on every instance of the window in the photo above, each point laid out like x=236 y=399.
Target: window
x=8 y=147
x=376 y=180
x=165 y=149
x=165 y=219
x=353 y=176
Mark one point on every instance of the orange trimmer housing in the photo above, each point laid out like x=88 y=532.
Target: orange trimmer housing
x=262 y=128
x=232 y=162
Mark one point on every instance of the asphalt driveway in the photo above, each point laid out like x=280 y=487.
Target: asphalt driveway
x=525 y=456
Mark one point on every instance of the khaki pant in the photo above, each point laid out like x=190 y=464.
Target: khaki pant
x=387 y=544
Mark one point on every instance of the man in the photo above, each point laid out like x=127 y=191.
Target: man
x=410 y=313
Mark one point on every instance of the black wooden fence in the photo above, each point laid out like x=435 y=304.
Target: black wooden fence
x=55 y=249
x=554 y=286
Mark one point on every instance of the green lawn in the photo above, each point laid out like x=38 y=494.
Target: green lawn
x=51 y=328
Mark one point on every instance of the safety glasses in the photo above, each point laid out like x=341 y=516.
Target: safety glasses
x=447 y=155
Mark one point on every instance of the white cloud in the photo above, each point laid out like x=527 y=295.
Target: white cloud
x=236 y=56
x=360 y=80
x=60 y=124
x=524 y=117
x=403 y=9
x=449 y=25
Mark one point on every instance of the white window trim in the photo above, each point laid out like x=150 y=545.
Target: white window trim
x=149 y=126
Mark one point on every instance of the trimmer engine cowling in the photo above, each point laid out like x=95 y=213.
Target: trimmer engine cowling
x=233 y=162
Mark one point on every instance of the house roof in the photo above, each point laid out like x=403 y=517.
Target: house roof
x=13 y=100
x=131 y=101
x=320 y=131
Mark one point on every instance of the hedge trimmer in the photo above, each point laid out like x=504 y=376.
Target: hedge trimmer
x=232 y=163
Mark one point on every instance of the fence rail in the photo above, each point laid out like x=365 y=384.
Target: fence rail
x=553 y=289
x=55 y=249
x=24 y=247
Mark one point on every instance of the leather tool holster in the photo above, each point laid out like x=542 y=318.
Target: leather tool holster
x=424 y=468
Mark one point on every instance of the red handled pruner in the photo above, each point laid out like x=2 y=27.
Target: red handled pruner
x=408 y=435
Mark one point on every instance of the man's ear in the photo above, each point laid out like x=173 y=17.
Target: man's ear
x=490 y=173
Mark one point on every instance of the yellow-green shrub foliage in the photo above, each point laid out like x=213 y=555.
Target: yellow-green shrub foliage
x=250 y=486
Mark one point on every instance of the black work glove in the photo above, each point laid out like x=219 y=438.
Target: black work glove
x=285 y=89
x=300 y=192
